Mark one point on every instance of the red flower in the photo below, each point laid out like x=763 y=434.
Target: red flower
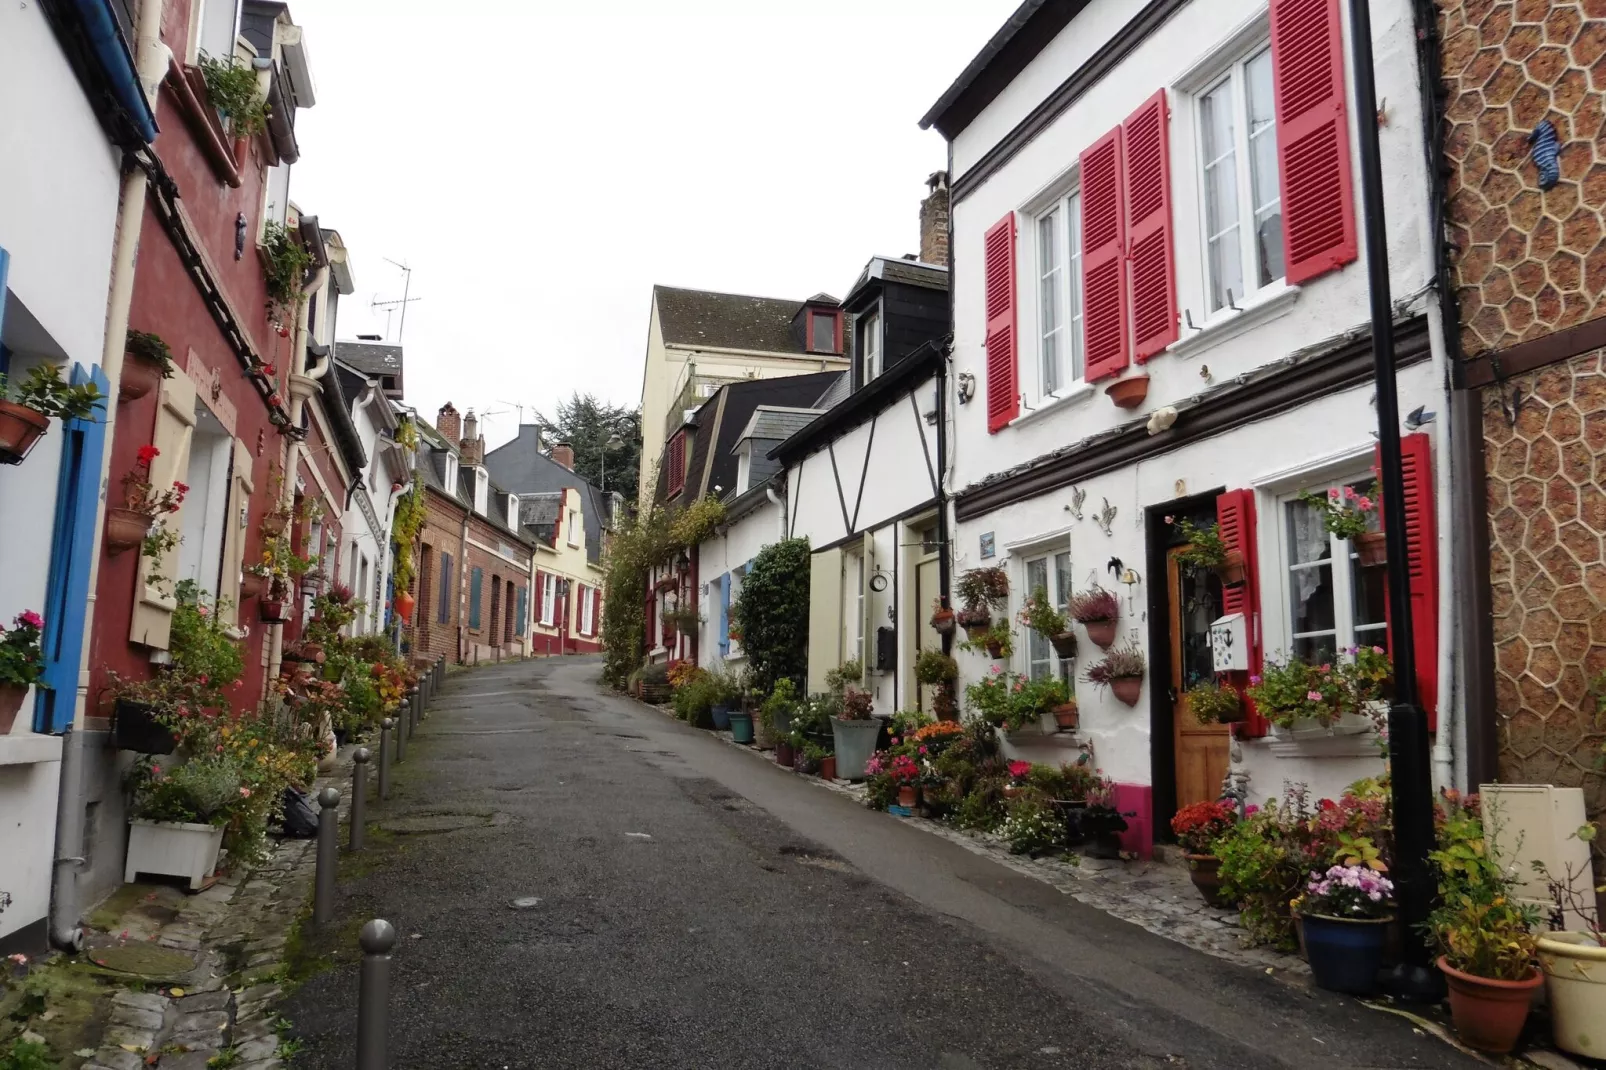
x=270 y=369
x=147 y=454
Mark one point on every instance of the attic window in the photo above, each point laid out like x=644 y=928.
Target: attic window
x=825 y=331
x=675 y=464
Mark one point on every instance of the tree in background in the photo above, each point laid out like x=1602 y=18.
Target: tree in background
x=587 y=424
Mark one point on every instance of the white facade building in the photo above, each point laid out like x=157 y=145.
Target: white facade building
x=1164 y=197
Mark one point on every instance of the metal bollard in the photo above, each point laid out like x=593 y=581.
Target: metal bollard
x=401 y=735
x=415 y=705
x=323 y=896
x=359 y=794
x=387 y=728
x=373 y=994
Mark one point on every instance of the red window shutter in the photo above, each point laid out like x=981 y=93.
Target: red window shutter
x=1150 y=246
x=1103 y=279
x=540 y=589
x=676 y=459
x=1235 y=518
x=1422 y=556
x=1003 y=389
x=596 y=610
x=1318 y=198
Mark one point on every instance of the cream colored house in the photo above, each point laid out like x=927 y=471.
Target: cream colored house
x=697 y=341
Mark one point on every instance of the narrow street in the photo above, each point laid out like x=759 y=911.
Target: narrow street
x=698 y=908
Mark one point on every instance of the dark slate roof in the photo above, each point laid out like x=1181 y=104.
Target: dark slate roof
x=727 y=321
x=432 y=470
x=722 y=419
x=770 y=422
x=522 y=468
x=835 y=393
x=372 y=359
x=880 y=393
x=1004 y=55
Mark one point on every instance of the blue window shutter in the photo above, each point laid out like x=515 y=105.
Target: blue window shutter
x=71 y=551
x=444 y=611
x=476 y=578
x=725 y=614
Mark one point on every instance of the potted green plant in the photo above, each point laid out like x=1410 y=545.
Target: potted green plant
x=178 y=816
x=1040 y=616
x=149 y=362
x=854 y=733
x=817 y=759
x=1347 y=912
x=933 y=667
x=1574 y=961
x=942 y=618
x=1487 y=952
x=1350 y=515
x=128 y=525
x=1122 y=671
x=992 y=697
x=1197 y=827
x=997 y=641
x=1203 y=547
x=776 y=713
x=41 y=394
x=1214 y=703
x=21 y=663
x=1034 y=703
x=1294 y=694
x=982 y=591
x=1097 y=610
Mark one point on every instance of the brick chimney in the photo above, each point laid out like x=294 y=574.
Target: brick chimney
x=471 y=450
x=448 y=423
x=563 y=453
x=934 y=220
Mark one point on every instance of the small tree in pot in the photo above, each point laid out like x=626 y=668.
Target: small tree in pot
x=1097 y=610
x=982 y=592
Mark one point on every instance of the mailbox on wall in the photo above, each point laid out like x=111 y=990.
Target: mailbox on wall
x=1229 y=644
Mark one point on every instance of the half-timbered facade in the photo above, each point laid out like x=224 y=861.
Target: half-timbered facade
x=1159 y=315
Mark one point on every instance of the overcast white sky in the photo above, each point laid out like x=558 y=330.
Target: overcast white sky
x=540 y=166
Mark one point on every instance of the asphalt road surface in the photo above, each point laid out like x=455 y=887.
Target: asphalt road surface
x=687 y=906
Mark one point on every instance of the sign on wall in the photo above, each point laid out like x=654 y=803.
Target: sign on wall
x=987 y=548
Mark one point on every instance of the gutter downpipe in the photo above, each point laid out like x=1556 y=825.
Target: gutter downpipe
x=769 y=492
x=302 y=384
x=65 y=931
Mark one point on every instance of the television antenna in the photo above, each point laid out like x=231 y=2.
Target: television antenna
x=390 y=307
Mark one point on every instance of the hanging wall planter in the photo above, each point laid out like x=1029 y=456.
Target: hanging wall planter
x=1101 y=632
x=274 y=610
x=1067 y=716
x=1372 y=548
x=942 y=621
x=1231 y=570
x=1127 y=688
x=138 y=378
x=135 y=728
x=1128 y=393
x=11 y=696
x=125 y=528
x=250 y=585
x=404 y=604
x=20 y=428
x=273 y=524
x=1064 y=644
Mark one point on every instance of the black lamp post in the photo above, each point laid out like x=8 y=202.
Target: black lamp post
x=1411 y=777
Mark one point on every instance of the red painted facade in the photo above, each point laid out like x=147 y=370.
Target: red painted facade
x=168 y=302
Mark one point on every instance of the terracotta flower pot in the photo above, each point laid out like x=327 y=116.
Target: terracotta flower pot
x=125 y=528
x=1064 y=644
x=995 y=648
x=906 y=795
x=1067 y=716
x=11 y=696
x=1128 y=393
x=273 y=524
x=784 y=755
x=943 y=623
x=975 y=625
x=139 y=377
x=1489 y=1014
x=828 y=767
x=1231 y=570
x=20 y=428
x=250 y=585
x=273 y=609
x=313 y=652
x=404 y=604
x=1127 y=688
x=1205 y=872
x=1102 y=632
x=1372 y=548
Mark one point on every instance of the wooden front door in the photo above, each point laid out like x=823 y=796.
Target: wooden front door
x=1201 y=750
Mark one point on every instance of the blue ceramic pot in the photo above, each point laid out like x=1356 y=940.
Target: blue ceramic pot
x=1346 y=953
x=722 y=718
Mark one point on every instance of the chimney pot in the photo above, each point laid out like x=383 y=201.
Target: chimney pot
x=449 y=423
x=934 y=220
x=471 y=450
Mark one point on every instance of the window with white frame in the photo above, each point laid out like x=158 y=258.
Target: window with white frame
x=586 y=611
x=1050 y=574
x=1243 y=219
x=1334 y=601
x=216 y=24
x=574 y=528
x=1059 y=294
x=549 y=599
x=869 y=347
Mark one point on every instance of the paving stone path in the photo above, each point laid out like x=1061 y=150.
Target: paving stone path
x=236 y=932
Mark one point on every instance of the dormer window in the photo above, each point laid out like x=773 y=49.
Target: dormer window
x=744 y=468
x=513 y=511
x=869 y=347
x=675 y=464
x=451 y=473
x=825 y=331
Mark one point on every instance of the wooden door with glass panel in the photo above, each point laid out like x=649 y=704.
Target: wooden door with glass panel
x=1200 y=749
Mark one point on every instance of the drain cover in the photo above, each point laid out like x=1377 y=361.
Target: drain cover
x=144 y=960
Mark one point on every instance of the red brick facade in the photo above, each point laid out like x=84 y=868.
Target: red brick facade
x=444 y=623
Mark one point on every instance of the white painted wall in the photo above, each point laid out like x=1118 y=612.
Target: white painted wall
x=896 y=479
x=58 y=205
x=377 y=477
x=738 y=544
x=1321 y=309
x=1273 y=456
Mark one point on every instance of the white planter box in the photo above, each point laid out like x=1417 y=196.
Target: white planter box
x=1350 y=724
x=172 y=850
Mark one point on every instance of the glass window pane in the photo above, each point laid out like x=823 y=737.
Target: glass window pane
x=1216 y=122
x=1062 y=580
x=823 y=339
x=1039 y=654
x=1263 y=168
x=1036 y=577
x=1226 y=270
x=1219 y=150
x=1316 y=649
x=1307 y=538
x=1311 y=598
x=1049 y=314
x=1073 y=268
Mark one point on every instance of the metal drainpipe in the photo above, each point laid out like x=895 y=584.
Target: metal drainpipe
x=769 y=492
x=151 y=60
x=462 y=585
x=292 y=460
